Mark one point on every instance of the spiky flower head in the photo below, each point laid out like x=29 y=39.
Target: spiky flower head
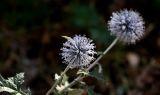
x=127 y=25
x=78 y=51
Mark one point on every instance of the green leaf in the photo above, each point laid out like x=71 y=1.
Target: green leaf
x=76 y=92
x=7 y=89
x=13 y=85
x=96 y=74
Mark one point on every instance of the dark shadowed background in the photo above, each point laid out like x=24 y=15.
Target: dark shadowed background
x=30 y=42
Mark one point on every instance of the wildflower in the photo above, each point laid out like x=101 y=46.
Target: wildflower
x=127 y=25
x=78 y=51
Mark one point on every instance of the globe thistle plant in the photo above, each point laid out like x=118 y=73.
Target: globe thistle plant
x=78 y=51
x=127 y=25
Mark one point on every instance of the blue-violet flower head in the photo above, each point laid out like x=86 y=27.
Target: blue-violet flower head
x=127 y=25
x=78 y=51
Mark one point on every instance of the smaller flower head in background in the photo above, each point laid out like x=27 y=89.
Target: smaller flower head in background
x=127 y=25
x=78 y=51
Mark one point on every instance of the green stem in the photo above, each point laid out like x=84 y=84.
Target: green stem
x=106 y=51
x=80 y=77
x=57 y=81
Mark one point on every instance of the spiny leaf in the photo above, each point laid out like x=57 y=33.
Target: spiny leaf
x=13 y=85
x=7 y=89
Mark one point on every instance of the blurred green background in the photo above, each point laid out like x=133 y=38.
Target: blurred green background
x=30 y=42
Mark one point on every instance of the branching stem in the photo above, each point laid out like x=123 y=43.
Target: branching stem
x=57 y=81
x=80 y=77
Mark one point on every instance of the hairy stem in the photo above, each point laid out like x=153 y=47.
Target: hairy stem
x=57 y=81
x=80 y=77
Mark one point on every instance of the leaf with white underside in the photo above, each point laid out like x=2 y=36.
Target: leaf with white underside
x=13 y=85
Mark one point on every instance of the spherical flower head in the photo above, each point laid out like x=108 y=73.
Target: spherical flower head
x=127 y=25
x=78 y=51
